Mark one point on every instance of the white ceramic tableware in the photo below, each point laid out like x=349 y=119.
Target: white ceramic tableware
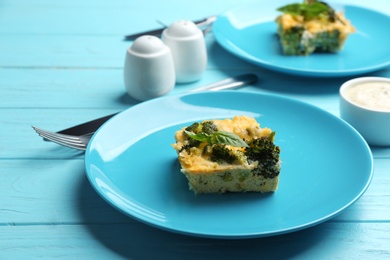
x=188 y=48
x=365 y=104
x=149 y=70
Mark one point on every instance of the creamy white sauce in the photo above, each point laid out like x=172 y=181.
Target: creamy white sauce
x=372 y=95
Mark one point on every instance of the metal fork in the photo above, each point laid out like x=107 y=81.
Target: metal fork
x=77 y=142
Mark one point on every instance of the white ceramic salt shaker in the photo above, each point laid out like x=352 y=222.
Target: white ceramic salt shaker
x=149 y=70
x=188 y=48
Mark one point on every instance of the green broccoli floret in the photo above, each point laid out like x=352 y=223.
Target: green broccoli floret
x=207 y=127
x=195 y=128
x=220 y=153
x=266 y=153
x=207 y=150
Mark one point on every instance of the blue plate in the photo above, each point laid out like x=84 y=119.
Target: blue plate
x=249 y=32
x=326 y=166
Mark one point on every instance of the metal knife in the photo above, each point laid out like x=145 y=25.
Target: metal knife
x=157 y=32
x=229 y=83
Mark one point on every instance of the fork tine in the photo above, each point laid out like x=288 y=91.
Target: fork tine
x=56 y=136
x=64 y=142
x=70 y=141
x=62 y=139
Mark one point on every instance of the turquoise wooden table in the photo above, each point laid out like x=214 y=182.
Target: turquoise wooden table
x=61 y=63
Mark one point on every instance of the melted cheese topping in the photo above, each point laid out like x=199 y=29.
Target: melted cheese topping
x=245 y=127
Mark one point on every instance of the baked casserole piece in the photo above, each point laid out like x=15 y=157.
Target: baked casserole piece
x=229 y=155
x=312 y=27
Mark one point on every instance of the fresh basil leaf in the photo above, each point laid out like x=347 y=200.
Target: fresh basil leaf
x=228 y=138
x=202 y=137
x=315 y=9
x=219 y=137
x=308 y=9
x=295 y=9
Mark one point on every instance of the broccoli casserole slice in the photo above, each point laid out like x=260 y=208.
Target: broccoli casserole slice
x=312 y=27
x=230 y=155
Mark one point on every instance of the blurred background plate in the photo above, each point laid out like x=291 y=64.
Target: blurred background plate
x=249 y=32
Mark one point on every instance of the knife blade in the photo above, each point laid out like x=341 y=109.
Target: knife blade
x=157 y=32
x=86 y=128
x=230 y=83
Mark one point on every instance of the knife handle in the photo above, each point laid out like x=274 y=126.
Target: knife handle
x=86 y=128
x=229 y=83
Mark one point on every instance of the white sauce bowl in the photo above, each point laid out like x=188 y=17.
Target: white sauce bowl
x=365 y=104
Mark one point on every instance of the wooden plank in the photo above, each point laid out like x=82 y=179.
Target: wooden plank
x=104 y=88
x=22 y=135
x=113 y=18
x=101 y=17
x=87 y=52
x=22 y=141
x=137 y=241
x=53 y=49
x=51 y=192
x=44 y=191
x=374 y=205
x=82 y=88
x=19 y=140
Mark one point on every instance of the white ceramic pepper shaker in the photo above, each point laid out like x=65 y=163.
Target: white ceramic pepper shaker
x=188 y=48
x=149 y=70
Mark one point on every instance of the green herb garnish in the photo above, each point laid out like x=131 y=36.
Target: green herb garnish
x=310 y=10
x=219 y=137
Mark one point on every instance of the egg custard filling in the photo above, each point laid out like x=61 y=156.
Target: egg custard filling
x=229 y=155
